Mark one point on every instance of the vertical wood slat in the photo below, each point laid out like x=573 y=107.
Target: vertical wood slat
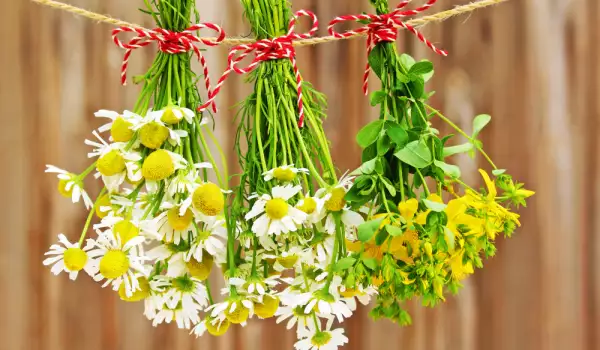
x=512 y=61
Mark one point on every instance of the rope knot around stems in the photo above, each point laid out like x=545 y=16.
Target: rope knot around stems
x=269 y=49
x=169 y=42
x=383 y=28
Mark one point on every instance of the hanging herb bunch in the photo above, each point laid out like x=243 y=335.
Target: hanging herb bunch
x=421 y=236
x=160 y=226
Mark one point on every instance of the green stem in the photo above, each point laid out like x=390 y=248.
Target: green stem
x=88 y=221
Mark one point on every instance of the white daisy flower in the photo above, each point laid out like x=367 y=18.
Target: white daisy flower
x=323 y=249
x=327 y=339
x=160 y=165
x=115 y=163
x=296 y=317
x=328 y=304
x=210 y=239
x=285 y=173
x=173 y=227
x=188 y=291
x=155 y=301
x=70 y=186
x=185 y=317
x=127 y=229
x=118 y=263
x=153 y=132
x=237 y=311
x=70 y=258
x=173 y=254
x=206 y=199
x=314 y=207
x=186 y=182
x=175 y=114
x=120 y=124
x=334 y=201
x=215 y=326
x=278 y=216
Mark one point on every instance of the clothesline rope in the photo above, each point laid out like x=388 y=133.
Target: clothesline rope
x=438 y=17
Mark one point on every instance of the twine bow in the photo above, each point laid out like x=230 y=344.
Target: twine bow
x=169 y=42
x=383 y=28
x=269 y=49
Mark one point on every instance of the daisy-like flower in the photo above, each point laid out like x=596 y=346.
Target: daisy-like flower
x=120 y=124
x=255 y=285
x=175 y=114
x=207 y=199
x=326 y=339
x=161 y=164
x=115 y=163
x=236 y=310
x=118 y=263
x=188 y=291
x=70 y=258
x=209 y=239
x=314 y=207
x=327 y=304
x=215 y=326
x=154 y=301
x=70 y=186
x=185 y=317
x=153 y=132
x=173 y=254
x=278 y=216
x=186 y=182
x=171 y=225
x=296 y=317
x=335 y=202
x=127 y=229
x=285 y=173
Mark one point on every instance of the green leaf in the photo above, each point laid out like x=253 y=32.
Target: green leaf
x=452 y=150
x=498 y=172
x=388 y=185
x=344 y=264
x=378 y=97
x=479 y=123
x=370 y=263
x=451 y=170
x=382 y=235
x=394 y=230
x=368 y=168
x=368 y=135
x=421 y=68
x=398 y=135
x=407 y=61
x=434 y=206
x=415 y=154
x=417 y=87
x=367 y=229
x=384 y=143
x=376 y=60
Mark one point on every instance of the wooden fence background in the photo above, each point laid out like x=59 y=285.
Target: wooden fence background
x=532 y=64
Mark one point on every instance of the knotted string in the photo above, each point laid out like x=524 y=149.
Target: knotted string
x=169 y=42
x=269 y=49
x=383 y=28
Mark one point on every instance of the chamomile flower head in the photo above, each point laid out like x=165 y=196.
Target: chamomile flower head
x=173 y=254
x=284 y=173
x=184 y=317
x=120 y=124
x=277 y=216
x=153 y=132
x=209 y=239
x=117 y=263
x=161 y=164
x=295 y=317
x=172 y=225
x=328 y=304
x=314 y=207
x=207 y=199
x=236 y=310
x=175 y=114
x=326 y=339
x=70 y=258
x=214 y=326
x=70 y=186
x=186 y=181
x=126 y=227
x=187 y=291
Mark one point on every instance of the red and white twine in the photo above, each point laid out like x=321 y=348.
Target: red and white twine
x=269 y=49
x=383 y=28
x=169 y=42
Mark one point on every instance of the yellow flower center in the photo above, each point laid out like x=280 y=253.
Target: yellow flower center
x=114 y=264
x=288 y=262
x=177 y=222
x=75 y=259
x=121 y=130
x=200 y=270
x=276 y=208
x=169 y=117
x=126 y=230
x=158 y=166
x=308 y=206
x=139 y=294
x=103 y=201
x=239 y=315
x=284 y=174
x=112 y=163
x=268 y=307
x=217 y=329
x=208 y=199
x=337 y=200
x=62 y=188
x=153 y=135
x=321 y=338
